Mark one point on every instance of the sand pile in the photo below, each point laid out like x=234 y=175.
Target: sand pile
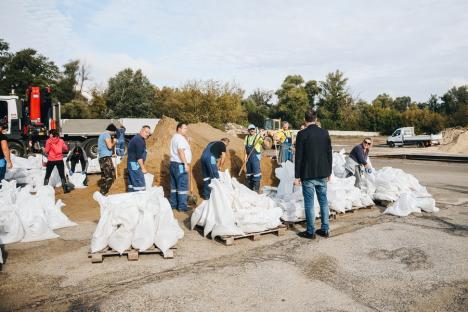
x=455 y=140
x=201 y=134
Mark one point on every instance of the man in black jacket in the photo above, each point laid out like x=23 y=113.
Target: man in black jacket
x=313 y=168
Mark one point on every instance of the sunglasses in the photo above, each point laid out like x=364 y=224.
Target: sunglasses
x=368 y=143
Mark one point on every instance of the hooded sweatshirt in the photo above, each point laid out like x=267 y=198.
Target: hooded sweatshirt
x=54 y=148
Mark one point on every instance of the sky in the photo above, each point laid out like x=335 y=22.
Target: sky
x=404 y=48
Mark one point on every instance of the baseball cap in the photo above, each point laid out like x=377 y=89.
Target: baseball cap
x=251 y=126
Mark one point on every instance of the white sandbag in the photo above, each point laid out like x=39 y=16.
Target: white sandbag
x=285 y=173
x=426 y=204
x=124 y=220
x=104 y=229
x=404 y=206
x=168 y=231
x=77 y=179
x=143 y=236
x=56 y=219
x=339 y=161
x=11 y=228
x=33 y=217
x=199 y=215
x=149 y=180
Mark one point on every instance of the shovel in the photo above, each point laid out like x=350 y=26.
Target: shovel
x=191 y=198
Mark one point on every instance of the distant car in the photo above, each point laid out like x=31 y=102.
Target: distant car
x=406 y=136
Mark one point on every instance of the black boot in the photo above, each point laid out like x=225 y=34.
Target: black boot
x=256 y=186
x=46 y=181
x=65 y=187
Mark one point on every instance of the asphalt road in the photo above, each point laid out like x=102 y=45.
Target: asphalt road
x=372 y=262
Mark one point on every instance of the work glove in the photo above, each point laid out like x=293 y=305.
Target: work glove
x=83 y=172
x=70 y=172
x=368 y=170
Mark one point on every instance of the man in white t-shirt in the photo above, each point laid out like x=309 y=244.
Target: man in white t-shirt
x=181 y=156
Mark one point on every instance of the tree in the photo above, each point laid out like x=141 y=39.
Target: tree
x=293 y=100
x=402 y=103
x=202 y=101
x=334 y=99
x=76 y=109
x=383 y=101
x=83 y=76
x=455 y=105
x=433 y=103
x=26 y=68
x=130 y=94
x=97 y=105
x=313 y=90
x=258 y=106
x=423 y=120
x=66 y=86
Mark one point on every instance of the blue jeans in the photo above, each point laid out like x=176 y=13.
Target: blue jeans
x=179 y=186
x=320 y=188
x=210 y=171
x=2 y=169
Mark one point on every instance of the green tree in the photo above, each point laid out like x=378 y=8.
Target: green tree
x=383 y=101
x=402 y=103
x=26 y=68
x=258 y=106
x=202 y=101
x=130 y=94
x=66 y=86
x=334 y=99
x=76 y=109
x=293 y=100
x=423 y=120
x=455 y=106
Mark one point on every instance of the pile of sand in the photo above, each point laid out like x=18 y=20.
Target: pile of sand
x=201 y=134
x=454 y=140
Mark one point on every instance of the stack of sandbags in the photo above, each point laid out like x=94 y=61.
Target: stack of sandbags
x=408 y=195
x=29 y=217
x=234 y=209
x=137 y=219
x=341 y=193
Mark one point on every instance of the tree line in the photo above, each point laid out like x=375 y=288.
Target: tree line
x=130 y=94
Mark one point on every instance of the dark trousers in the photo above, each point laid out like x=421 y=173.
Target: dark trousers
x=210 y=171
x=254 y=173
x=107 y=174
x=136 y=179
x=51 y=164
x=75 y=160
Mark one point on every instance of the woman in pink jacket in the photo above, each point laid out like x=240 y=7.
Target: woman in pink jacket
x=55 y=147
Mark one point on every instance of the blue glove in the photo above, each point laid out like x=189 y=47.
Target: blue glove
x=70 y=172
x=83 y=172
x=369 y=170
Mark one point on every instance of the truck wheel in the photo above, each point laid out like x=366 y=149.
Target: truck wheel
x=91 y=148
x=16 y=149
x=391 y=144
x=267 y=143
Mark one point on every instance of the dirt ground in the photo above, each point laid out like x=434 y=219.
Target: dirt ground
x=372 y=262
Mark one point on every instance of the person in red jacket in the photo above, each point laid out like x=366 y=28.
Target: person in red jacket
x=55 y=147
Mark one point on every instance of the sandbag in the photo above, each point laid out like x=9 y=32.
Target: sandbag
x=404 y=206
x=77 y=179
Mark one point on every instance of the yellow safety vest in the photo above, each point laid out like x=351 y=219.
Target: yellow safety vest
x=249 y=140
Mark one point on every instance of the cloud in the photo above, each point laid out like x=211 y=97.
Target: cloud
x=410 y=48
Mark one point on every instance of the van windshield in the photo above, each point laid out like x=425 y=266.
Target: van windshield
x=396 y=133
x=3 y=112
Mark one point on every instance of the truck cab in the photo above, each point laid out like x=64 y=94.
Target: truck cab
x=10 y=105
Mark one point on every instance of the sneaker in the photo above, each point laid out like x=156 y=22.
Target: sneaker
x=323 y=233
x=306 y=234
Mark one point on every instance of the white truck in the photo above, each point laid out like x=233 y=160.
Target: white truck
x=29 y=122
x=406 y=136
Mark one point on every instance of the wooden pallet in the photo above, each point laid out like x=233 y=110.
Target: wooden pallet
x=132 y=254
x=255 y=236
x=332 y=216
x=383 y=203
x=355 y=209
